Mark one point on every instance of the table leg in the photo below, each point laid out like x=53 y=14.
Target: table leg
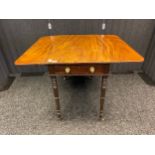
x=56 y=96
x=102 y=97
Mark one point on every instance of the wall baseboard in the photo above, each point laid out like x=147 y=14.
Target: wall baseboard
x=32 y=74
x=6 y=85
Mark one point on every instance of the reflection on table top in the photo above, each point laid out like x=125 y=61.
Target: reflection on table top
x=79 y=49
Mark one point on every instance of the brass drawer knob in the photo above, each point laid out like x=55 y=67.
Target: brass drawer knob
x=67 y=70
x=92 y=69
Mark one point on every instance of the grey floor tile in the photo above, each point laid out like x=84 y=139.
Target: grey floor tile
x=28 y=106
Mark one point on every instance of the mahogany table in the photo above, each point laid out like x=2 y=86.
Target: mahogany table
x=79 y=55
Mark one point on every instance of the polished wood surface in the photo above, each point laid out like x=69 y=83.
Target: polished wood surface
x=79 y=49
x=81 y=55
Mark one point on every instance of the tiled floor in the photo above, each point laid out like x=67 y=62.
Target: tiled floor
x=28 y=106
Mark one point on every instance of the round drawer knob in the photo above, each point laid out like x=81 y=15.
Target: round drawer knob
x=67 y=70
x=92 y=69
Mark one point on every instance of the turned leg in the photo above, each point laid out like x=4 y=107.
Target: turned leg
x=102 y=97
x=56 y=95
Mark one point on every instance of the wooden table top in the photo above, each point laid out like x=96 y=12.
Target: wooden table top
x=79 y=49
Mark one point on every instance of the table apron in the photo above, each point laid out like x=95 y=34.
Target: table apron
x=79 y=70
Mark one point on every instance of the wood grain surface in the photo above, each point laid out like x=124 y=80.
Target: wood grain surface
x=79 y=49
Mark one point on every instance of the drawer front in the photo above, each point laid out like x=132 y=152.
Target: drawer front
x=67 y=70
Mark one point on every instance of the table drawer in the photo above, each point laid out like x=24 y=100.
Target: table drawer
x=97 y=69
